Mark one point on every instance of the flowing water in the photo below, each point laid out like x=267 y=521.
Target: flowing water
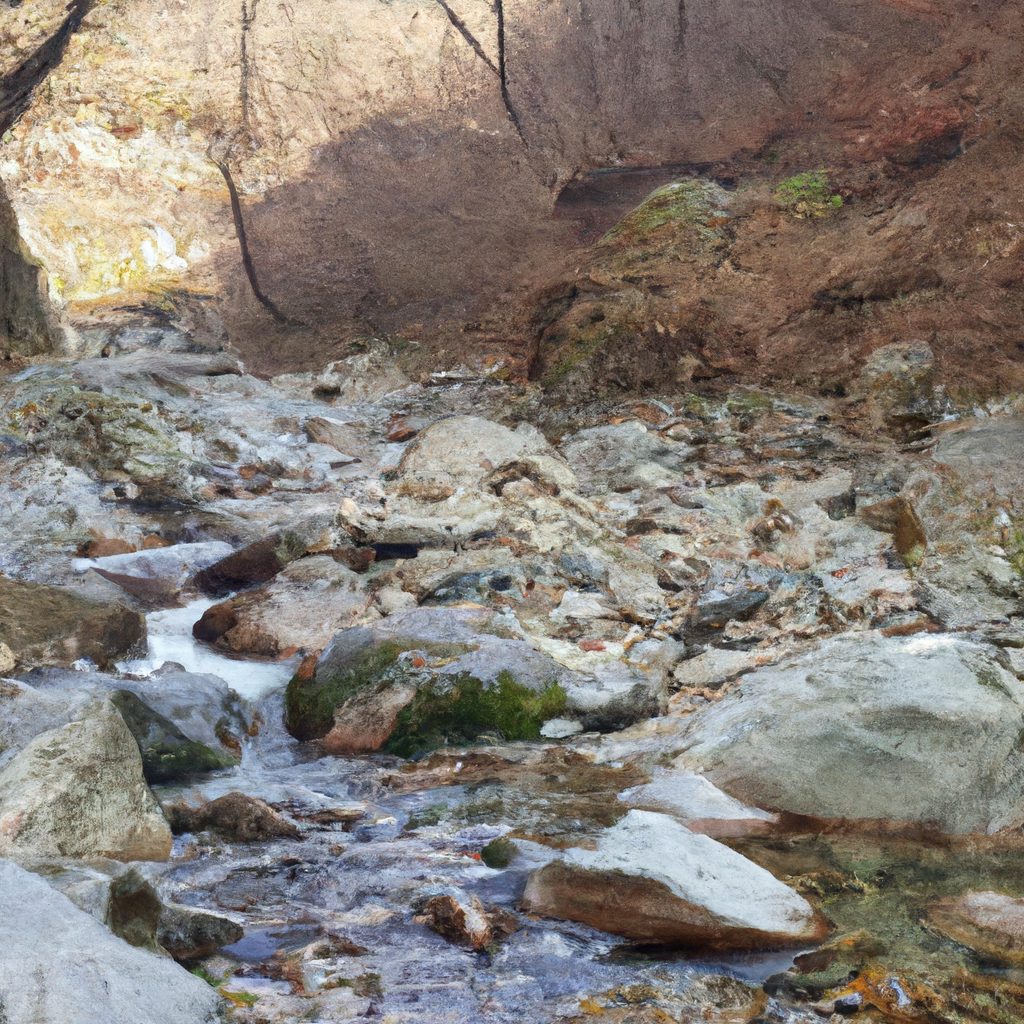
x=359 y=884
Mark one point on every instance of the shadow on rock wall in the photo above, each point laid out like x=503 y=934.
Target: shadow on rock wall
x=433 y=225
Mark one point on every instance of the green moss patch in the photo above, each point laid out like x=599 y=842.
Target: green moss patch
x=463 y=710
x=168 y=755
x=808 y=195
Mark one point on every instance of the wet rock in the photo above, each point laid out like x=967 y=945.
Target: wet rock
x=467 y=922
x=52 y=626
x=168 y=755
x=26 y=711
x=215 y=622
x=719 y=606
x=189 y=932
x=203 y=707
x=79 y=791
x=158 y=574
x=345 y=438
x=652 y=880
x=60 y=965
x=826 y=732
x=256 y=563
x=989 y=923
x=304 y=606
x=235 y=816
x=899 y=518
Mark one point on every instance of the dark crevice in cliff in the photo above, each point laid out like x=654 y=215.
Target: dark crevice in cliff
x=17 y=86
x=248 y=20
x=463 y=30
x=503 y=72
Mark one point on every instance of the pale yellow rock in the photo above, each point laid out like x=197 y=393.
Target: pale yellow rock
x=7 y=660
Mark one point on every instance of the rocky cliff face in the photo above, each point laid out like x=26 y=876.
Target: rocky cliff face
x=431 y=171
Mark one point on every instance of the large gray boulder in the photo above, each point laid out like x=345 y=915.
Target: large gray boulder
x=61 y=966
x=79 y=791
x=925 y=729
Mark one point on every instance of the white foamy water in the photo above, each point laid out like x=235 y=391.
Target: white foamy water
x=170 y=639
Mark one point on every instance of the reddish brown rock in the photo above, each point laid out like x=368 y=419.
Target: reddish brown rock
x=235 y=816
x=364 y=723
x=103 y=547
x=215 y=622
x=898 y=517
x=358 y=559
x=653 y=881
x=256 y=563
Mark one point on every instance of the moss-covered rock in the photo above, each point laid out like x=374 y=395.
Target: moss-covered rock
x=464 y=709
x=693 y=205
x=167 y=753
x=363 y=663
x=406 y=694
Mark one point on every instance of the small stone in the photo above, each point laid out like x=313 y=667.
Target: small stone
x=899 y=518
x=358 y=559
x=716 y=607
x=7 y=659
x=468 y=923
x=839 y=506
x=103 y=547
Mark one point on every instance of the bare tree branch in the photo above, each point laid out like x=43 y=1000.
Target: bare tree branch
x=243 y=245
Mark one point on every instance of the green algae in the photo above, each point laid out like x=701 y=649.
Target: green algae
x=465 y=709
x=498 y=853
